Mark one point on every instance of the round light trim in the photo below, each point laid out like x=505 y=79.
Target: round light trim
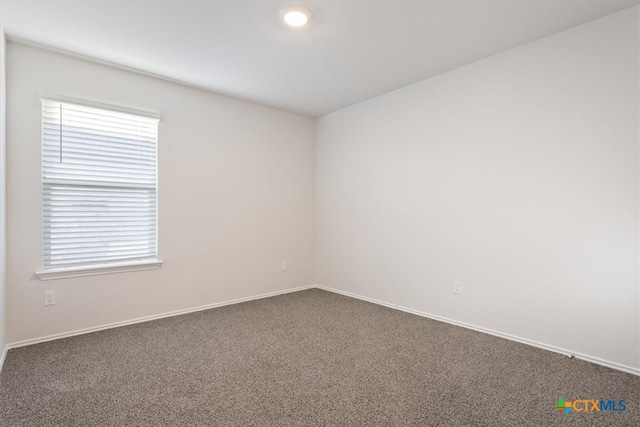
x=296 y=16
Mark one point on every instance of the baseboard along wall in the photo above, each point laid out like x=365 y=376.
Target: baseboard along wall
x=563 y=351
x=568 y=353
x=144 y=319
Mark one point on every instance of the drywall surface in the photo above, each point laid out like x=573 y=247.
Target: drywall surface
x=516 y=176
x=3 y=234
x=235 y=198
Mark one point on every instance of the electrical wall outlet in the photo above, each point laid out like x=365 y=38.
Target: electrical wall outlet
x=457 y=287
x=49 y=297
x=284 y=265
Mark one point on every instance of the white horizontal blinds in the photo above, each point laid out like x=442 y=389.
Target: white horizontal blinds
x=99 y=178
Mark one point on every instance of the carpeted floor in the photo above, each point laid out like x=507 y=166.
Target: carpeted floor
x=306 y=358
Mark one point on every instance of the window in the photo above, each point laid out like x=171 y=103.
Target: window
x=99 y=183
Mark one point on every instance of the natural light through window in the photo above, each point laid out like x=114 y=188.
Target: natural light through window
x=99 y=181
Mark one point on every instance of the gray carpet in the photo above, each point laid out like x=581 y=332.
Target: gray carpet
x=306 y=358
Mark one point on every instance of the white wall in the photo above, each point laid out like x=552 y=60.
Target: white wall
x=3 y=129
x=517 y=175
x=235 y=192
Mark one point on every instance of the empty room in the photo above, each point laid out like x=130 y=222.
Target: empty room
x=320 y=213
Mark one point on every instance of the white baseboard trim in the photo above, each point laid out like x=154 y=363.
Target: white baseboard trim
x=569 y=353
x=587 y=358
x=4 y=356
x=146 y=319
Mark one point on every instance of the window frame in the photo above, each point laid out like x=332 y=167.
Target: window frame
x=98 y=268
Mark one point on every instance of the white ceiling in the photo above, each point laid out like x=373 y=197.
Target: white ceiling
x=351 y=51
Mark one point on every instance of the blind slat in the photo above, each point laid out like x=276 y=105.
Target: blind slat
x=52 y=135
x=98 y=260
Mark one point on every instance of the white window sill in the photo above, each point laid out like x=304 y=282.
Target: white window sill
x=94 y=270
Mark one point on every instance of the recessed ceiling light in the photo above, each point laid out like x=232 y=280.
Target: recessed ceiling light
x=296 y=16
